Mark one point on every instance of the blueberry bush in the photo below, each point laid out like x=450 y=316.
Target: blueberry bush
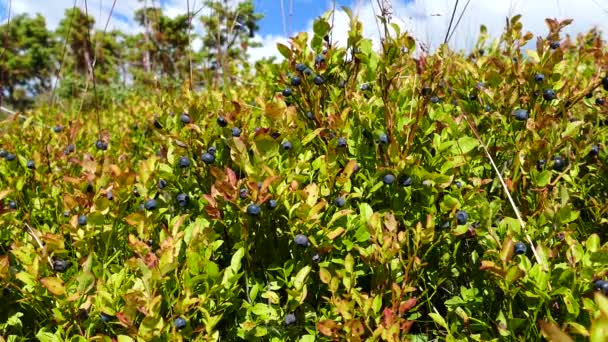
x=341 y=194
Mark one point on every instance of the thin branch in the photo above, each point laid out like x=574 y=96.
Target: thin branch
x=37 y=239
x=504 y=185
x=92 y=71
x=459 y=18
x=8 y=26
x=65 y=45
x=447 y=33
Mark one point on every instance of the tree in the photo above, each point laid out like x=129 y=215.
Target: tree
x=27 y=61
x=229 y=31
x=162 y=50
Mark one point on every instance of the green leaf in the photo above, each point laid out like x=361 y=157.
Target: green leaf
x=464 y=145
x=439 y=320
x=284 y=50
x=235 y=262
x=300 y=277
x=543 y=178
x=321 y=27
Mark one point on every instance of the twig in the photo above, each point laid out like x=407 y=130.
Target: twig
x=459 y=18
x=504 y=185
x=33 y=235
x=447 y=33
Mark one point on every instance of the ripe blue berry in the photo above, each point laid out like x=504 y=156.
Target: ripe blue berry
x=388 y=179
x=549 y=95
x=222 y=122
x=318 y=80
x=182 y=200
x=340 y=202
x=296 y=81
x=559 y=163
x=286 y=145
x=82 y=220
x=520 y=248
x=254 y=210
x=521 y=114
x=539 y=78
x=341 y=142
x=290 y=319
x=151 y=204
x=462 y=217
x=60 y=265
x=30 y=164
x=179 y=323
x=301 y=240
x=236 y=132
x=208 y=158
x=185 y=118
x=184 y=162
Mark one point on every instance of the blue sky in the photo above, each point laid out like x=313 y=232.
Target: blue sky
x=303 y=12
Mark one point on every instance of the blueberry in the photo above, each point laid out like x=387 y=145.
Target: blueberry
x=10 y=157
x=316 y=258
x=383 y=139
x=272 y=204
x=435 y=99
x=405 y=180
x=185 y=118
x=539 y=78
x=595 y=150
x=236 y=132
x=287 y=92
x=286 y=145
x=520 y=248
x=212 y=150
x=222 y=121
x=554 y=45
x=100 y=145
x=57 y=128
x=208 y=158
x=541 y=164
x=458 y=184
x=3 y=153
x=90 y=187
x=30 y=164
x=589 y=95
x=549 y=95
x=104 y=317
x=341 y=142
x=342 y=84
x=60 y=265
x=365 y=87
x=82 y=220
x=183 y=200
x=301 y=240
x=290 y=319
x=254 y=210
x=296 y=81
x=243 y=193
x=521 y=114
x=425 y=91
x=318 y=80
x=388 y=179
x=136 y=192
x=109 y=195
x=340 y=202
x=151 y=204
x=162 y=183
x=300 y=67
x=462 y=217
x=275 y=135
x=605 y=82
x=559 y=163
x=179 y=323
x=488 y=108
x=308 y=71
x=184 y=162
x=12 y=205
x=600 y=101
x=66 y=213
x=319 y=59
x=69 y=149
x=310 y=115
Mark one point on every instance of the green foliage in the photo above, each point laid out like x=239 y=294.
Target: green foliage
x=393 y=262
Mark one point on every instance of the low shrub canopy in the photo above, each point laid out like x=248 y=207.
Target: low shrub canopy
x=342 y=194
